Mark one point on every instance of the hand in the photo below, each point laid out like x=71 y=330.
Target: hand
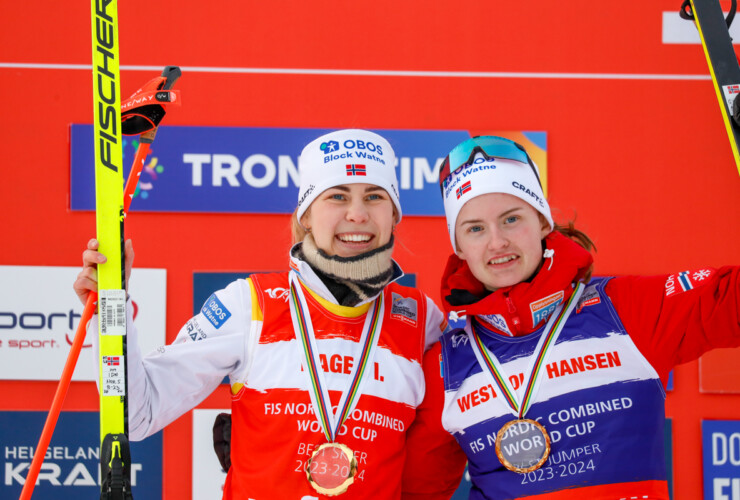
x=87 y=280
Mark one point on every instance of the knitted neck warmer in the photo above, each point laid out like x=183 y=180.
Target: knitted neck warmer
x=524 y=307
x=350 y=279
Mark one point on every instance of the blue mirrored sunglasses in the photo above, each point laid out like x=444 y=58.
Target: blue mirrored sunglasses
x=491 y=147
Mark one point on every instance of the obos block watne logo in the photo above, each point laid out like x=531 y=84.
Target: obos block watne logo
x=329 y=147
x=215 y=311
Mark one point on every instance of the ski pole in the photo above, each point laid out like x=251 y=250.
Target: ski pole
x=59 y=396
x=150 y=115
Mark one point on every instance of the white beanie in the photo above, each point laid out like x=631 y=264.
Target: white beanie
x=346 y=157
x=493 y=175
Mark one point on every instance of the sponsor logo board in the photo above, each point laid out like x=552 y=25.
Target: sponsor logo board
x=255 y=170
x=39 y=314
x=721 y=459
x=71 y=468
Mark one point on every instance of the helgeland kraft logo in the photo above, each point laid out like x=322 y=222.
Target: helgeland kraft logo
x=71 y=463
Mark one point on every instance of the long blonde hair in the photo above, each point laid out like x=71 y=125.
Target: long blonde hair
x=297 y=231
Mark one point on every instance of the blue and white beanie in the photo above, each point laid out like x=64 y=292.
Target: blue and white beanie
x=349 y=156
x=495 y=175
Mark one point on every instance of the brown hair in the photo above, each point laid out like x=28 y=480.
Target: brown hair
x=569 y=230
x=296 y=228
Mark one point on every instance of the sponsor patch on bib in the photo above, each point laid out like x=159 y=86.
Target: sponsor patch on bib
x=543 y=308
x=404 y=309
x=497 y=321
x=590 y=297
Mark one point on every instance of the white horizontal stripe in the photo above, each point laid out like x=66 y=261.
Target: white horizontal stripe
x=403 y=380
x=633 y=368
x=370 y=72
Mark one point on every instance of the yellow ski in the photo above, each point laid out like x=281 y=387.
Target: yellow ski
x=114 y=452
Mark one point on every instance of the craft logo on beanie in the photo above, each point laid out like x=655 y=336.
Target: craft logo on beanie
x=349 y=156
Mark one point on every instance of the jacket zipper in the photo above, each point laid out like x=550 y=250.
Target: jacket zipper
x=513 y=313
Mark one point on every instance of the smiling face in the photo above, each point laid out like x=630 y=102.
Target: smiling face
x=350 y=219
x=499 y=236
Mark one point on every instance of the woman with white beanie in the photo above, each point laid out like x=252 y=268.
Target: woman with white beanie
x=324 y=360
x=554 y=389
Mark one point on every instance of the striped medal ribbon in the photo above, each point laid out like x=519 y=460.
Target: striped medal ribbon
x=332 y=467
x=523 y=445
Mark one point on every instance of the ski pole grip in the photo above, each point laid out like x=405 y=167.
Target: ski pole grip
x=172 y=73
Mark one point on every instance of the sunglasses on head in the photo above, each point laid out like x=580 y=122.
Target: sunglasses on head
x=490 y=147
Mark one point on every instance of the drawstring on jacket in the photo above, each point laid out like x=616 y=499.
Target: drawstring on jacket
x=549 y=254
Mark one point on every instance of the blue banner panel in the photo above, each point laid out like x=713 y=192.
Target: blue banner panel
x=253 y=170
x=721 y=452
x=71 y=468
x=668 y=435
x=204 y=284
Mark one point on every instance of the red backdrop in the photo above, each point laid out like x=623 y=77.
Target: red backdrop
x=644 y=163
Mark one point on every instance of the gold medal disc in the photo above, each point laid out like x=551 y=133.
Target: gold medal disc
x=331 y=469
x=522 y=445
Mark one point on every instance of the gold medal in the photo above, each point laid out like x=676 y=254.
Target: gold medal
x=331 y=469
x=522 y=445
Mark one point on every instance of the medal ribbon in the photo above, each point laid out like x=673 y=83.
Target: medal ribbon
x=303 y=328
x=492 y=366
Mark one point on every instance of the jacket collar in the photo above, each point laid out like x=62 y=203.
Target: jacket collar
x=521 y=308
x=309 y=277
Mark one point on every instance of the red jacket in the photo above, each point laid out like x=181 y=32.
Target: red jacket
x=671 y=319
